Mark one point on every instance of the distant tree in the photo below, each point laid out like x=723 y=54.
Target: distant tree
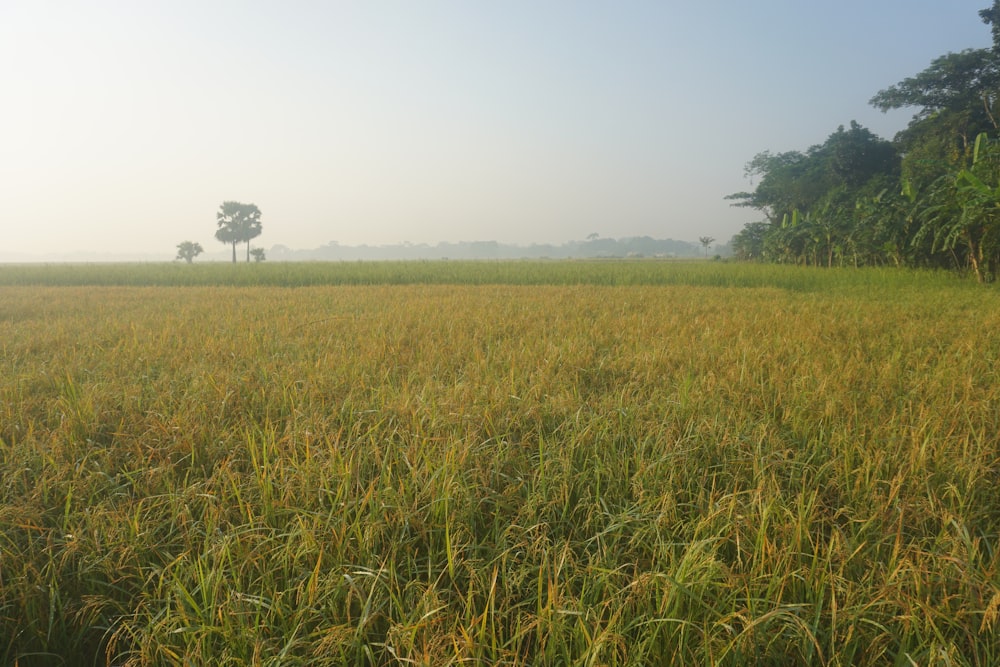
x=238 y=223
x=593 y=236
x=750 y=242
x=257 y=254
x=188 y=250
x=705 y=242
x=229 y=220
x=253 y=228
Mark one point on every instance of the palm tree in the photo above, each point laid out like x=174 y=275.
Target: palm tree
x=706 y=241
x=251 y=228
x=238 y=223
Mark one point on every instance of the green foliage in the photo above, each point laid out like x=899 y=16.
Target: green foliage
x=965 y=80
x=936 y=146
x=991 y=17
x=964 y=211
x=788 y=181
x=811 y=200
x=928 y=200
x=750 y=242
x=797 y=181
x=857 y=155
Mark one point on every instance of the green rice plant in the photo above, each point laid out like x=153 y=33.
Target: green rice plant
x=469 y=272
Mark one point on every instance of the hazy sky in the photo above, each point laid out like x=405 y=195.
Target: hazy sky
x=124 y=125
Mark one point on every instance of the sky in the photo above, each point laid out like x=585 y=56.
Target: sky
x=125 y=125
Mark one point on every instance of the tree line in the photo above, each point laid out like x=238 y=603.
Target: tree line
x=929 y=198
x=594 y=246
x=236 y=223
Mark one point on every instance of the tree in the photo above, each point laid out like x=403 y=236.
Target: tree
x=787 y=182
x=188 y=250
x=857 y=155
x=810 y=198
x=238 y=223
x=748 y=244
x=931 y=198
x=258 y=254
x=706 y=241
x=253 y=227
x=956 y=100
x=962 y=215
x=947 y=157
x=963 y=81
x=957 y=97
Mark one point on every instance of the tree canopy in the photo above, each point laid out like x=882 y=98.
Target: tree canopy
x=928 y=198
x=238 y=223
x=188 y=250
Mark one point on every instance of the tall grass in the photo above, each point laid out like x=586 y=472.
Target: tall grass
x=500 y=474
x=527 y=272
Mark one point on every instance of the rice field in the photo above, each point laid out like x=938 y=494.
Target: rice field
x=510 y=463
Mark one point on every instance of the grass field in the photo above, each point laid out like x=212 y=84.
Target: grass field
x=539 y=463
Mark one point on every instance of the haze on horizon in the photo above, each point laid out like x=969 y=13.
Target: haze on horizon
x=125 y=125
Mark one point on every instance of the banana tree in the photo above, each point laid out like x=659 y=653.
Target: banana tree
x=964 y=215
x=788 y=242
x=886 y=223
x=828 y=230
